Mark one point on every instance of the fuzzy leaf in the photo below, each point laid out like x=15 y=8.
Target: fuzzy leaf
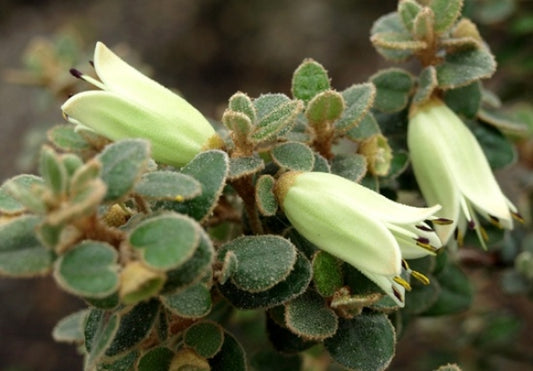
x=408 y=10
x=446 y=13
x=397 y=41
x=497 y=148
x=463 y=67
x=359 y=99
x=123 y=163
x=393 y=88
x=327 y=273
x=427 y=82
x=391 y=23
x=243 y=166
x=276 y=113
x=262 y=261
x=18 y=194
x=293 y=156
x=309 y=79
x=240 y=102
x=309 y=317
x=166 y=241
x=70 y=328
x=365 y=342
x=230 y=357
x=465 y=100
x=325 y=107
x=67 y=139
x=349 y=166
x=264 y=195
x=88 y=269
x=168 y=185
x=205 y=338
x=367 y=128
x=192 y=302
x=158 y=358
x=99 y=332
x=53 y=171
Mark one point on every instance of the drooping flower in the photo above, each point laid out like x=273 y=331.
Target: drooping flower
x=452 y=170
x=131 y=105
x=359 y=226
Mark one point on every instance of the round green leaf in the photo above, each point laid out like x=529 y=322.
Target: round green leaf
x=309 y=79
x=262 y=261
x=325 y=107
x=243 y=166
x=264 y=195
x=192 y=302
x=365 y=129
x=89 y=269
x=292 y=286
x=463 y=67
x=230 y=357
x=446 y=13
x=309 y=317
x=465 y=100
x=205 y=338
x=240 y=102
x=158 y=358
x=165 y=241
x=16 y=195
x=393 y=89
x=210 y=168
x=365 y=342
x=293 y=156
x=408 y=10
x=349 y=166
x=391 y=23
x=70 y=328
x=427 y=82
x=277 y=119
x=327 y=273
x=359 y=99
x=122 y=363
x=168 y=185
x=499 y=151
x=66 y=138
x=21 y=253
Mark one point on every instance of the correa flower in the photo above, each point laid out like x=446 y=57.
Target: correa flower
x=359 y=226
x=131 y=105
x=452 y=170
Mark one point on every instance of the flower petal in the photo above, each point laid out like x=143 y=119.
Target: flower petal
x=121 y=78
x=116 y=118
x=333 y=221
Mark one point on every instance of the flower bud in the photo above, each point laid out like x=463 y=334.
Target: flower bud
x=131 y=105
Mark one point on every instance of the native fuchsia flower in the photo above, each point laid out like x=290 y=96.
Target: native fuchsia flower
x=452 y=170
x=359 y=226
x=131 y=105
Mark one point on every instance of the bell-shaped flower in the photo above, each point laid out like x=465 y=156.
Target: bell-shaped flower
x=359 y=226
x=452 y=170
x=131 y=105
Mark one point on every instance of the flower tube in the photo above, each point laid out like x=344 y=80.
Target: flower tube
x=131 y=105
x=452 y=170
x=359 y=226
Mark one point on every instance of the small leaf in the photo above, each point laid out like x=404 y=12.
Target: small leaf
x=321 y=164
x=262 y=261
x=70 y=328
x=240 y=125
x=210 y=168
x=123 y=163
x=244 y=166
x=158 y=358
x=327 y=273
x=192 y=302
x=309 y=79
x=168 y=185
x=88 y=269
x=349 y=166
x=282 y=339
x=264 y=196
x=21 y=253
x=408 y=10
x=463 y=67
x=20 y=193
x=53 y=171
x=397 y=41
x=205 y=338
x=365 y=342
x=309 y=317
x=166 y=241
x=497 y=148
x=138 y=283
x=503 y=122
x=398 y=164
x=423 y=25
x=99 y=332
x=66 y=138
x=359 y=99
x=278 y=119
x=367 y=128
x=230 y=357
x=293 y=156
x=427 y=82
x=393 y=89
x=240 y=102
x=446 y=13
x=292 y=286
x=325 y=107
x=465 y=100
x=391 y=23
x=187 y=359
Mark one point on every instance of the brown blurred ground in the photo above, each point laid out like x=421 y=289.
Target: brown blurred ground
x=208 y=49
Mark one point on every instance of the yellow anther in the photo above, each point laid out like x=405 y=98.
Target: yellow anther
x=494 y=221
x=517 y=217
x=427 y=246
x=420 y=277
x=460 y=238
x=484 y=233
x=400 y=281
x=179 y=198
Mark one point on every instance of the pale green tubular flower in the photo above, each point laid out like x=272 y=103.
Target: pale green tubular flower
x=359 y=226
x=452 y=170
x=131 y=105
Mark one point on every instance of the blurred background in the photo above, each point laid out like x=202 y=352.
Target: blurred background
x=208 y=50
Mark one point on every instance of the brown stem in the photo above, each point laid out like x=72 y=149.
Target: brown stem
x=323 y=140
x=245 y=188
x=94 y=229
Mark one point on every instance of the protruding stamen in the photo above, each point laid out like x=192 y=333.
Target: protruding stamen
x=424 y=228
x=420 y=277
x=516 y=216
x=442 y=221
x=424 y=243
x=495 y=221
x=459 y=237
x=91 y=63
x=471 y=225
x=484 y=233
x=400 y=281
x=76 y=73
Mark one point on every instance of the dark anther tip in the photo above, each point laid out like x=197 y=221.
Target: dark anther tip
x=91 y=63
x=76 y=73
